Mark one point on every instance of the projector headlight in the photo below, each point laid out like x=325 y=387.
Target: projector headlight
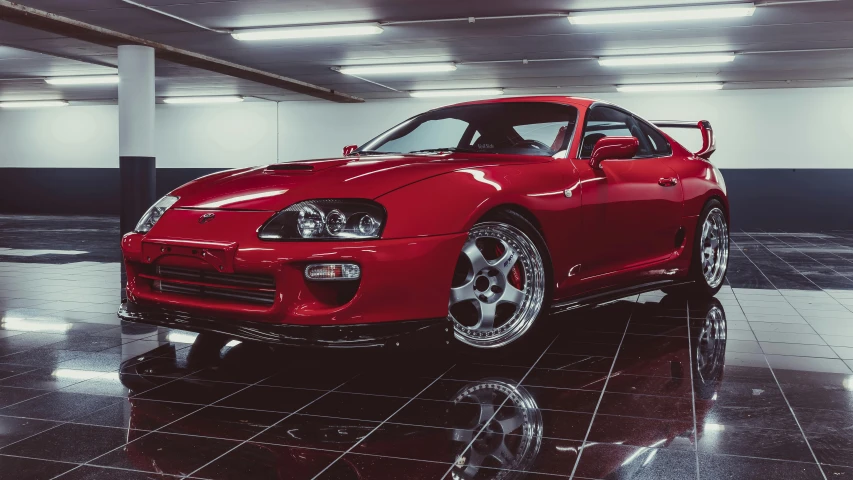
x=328 y=219
x=154 y=213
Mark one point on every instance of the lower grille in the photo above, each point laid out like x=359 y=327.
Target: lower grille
x=257 y=289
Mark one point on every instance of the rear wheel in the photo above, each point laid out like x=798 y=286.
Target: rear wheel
x=710 y=257
x=501 y=284
x=710 y=349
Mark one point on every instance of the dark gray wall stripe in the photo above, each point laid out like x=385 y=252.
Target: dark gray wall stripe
x=773 y=199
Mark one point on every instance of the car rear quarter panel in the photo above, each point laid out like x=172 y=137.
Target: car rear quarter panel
x=700 y=182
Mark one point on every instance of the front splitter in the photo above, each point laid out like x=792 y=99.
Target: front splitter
x=428 y=333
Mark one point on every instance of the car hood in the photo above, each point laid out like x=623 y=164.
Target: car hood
x=278 y=186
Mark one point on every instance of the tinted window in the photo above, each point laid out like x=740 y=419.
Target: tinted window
x=526 y=128
x=608 y=122
x=658 y=146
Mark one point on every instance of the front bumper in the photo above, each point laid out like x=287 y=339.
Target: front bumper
x=402 y=279
x=407 y=334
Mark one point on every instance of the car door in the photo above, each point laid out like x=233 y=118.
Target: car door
x=631 y=208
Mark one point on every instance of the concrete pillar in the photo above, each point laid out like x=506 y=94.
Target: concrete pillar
x=136 y=132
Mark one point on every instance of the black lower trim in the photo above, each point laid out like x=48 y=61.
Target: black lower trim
x=409 y=334
x=606 y=296
x=138 y=189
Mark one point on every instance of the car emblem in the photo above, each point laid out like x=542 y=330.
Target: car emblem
x=206 y=217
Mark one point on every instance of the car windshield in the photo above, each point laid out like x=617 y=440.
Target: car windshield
x=521 y=128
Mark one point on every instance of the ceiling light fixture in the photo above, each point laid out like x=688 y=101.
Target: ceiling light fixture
x=34 y=104
x=674 y=59
x=83 y=80
x=670 y=87
x=181 y=337
x=662 y=14
x=310 y=31
x=33 y=325
x=470 y=92
x=392 y=69
x=196 y=100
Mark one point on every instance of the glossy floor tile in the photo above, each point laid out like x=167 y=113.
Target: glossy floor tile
x=756 y=383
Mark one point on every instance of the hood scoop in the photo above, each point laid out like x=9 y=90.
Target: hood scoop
x=290 y=167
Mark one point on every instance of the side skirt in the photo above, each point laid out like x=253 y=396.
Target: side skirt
x=602 y=297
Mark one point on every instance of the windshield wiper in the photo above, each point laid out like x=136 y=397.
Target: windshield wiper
x=449 y=149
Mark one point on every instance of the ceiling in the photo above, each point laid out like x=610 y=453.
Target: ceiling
x=820 y=32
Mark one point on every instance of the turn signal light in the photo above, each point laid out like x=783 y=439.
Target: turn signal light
x=333 y=271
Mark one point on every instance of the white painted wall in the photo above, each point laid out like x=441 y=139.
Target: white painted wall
x=220 y=136
x=59 y=137
x=781 y=128
x=778 y=128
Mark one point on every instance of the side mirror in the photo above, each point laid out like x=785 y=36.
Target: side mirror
x=349 y=149
x=613 y=148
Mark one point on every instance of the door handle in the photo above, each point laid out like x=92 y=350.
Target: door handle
x=668 y=182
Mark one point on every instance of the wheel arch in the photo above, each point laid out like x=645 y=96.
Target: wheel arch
x=516 y=208
x=723 y=201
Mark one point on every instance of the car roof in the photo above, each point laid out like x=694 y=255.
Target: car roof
x=567 y=100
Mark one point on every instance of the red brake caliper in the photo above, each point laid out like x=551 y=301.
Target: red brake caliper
x=515 y=274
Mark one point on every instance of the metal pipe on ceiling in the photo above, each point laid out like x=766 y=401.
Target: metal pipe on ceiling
x=474 y=19
x=759 y=3
x=50 y=22
x=180 y=19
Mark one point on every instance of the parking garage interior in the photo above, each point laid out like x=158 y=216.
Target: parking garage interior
x=108 y=105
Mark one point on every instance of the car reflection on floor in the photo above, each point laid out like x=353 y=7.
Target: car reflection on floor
x=254 y=411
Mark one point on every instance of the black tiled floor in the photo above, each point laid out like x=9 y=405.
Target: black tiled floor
x=82 y=393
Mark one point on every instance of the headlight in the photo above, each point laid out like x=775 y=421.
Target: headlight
x=326 y=220
x=154 y=213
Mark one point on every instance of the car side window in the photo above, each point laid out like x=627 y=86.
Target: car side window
x=658 y=145
x=609 y=122
x=603 y=122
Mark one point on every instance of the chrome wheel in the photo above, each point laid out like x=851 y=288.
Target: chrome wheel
x=498 y=287
x=714 y=247
x=510 y=436
x=711 y=346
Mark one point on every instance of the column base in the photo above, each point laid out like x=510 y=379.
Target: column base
x=138 y=189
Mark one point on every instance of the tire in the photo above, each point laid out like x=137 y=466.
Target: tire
x=502 y=283
x=709 y=348
x=707 y=273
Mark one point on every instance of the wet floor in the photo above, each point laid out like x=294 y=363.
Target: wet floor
x=756 y=383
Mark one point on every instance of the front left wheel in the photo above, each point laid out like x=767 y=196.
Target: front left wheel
x=501 y=284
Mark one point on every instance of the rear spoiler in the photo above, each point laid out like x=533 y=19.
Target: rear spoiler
x=709 y=143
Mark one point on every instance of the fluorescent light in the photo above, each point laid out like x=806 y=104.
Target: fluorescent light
x=24 y=325
x=312 y=31
x=233 y=343
x=180 y=337
x=663 y=14
x=404 y=68
x=675 y=59
x=71 y=374
x=34 y=104
x=470 y=92
x=83 y=80
x=221 y=99
x=670 y=87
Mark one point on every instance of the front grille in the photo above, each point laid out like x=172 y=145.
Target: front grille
x=258 y=289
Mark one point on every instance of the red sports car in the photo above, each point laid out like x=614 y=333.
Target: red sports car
x=466 y=224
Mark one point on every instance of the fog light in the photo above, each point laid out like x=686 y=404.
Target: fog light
x=333 y=271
